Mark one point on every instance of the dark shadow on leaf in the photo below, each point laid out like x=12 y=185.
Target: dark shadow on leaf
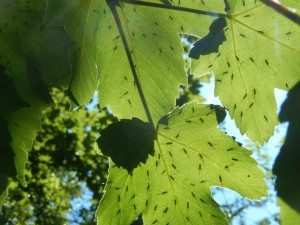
x=37 y=85
x=211 y=42
x=166 y=2
x=220 y=112
x=287 y=164
x=127 y=142
x=10 y=102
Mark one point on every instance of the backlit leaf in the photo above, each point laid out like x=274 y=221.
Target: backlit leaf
x=173 y=186
x=260 y=51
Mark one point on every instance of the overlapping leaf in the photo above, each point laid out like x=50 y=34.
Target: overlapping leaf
x=128 y=45
x=260 y=51
x=23 y=93
x=173 y=186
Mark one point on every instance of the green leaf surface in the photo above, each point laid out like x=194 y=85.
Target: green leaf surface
x=261 y=51
x=288 y=215
x=23 y=92
x=130 y=51
x=190 y=155
x=2 y=197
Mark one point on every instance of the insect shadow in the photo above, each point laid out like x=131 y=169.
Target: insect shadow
x=211 y=42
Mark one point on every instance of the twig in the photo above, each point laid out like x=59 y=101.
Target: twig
x=284 y=10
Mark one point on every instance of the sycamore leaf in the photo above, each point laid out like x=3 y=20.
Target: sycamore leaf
x=173 y=187
x=129 y=50
x=260 y=50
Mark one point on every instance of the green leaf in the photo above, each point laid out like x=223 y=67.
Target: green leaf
x=190 y=155
x=2 y=197
x=130 y=51
x=288 y=215
x=23 y=92
x=261 y=51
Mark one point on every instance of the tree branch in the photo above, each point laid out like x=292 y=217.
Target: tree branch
x=284 y=10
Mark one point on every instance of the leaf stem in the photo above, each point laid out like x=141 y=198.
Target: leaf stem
x=284 y=10
x=112 y=5
x=177 y=8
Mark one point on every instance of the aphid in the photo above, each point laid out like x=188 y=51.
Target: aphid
x=200 y=155
x=166 y=210
x=267 y=62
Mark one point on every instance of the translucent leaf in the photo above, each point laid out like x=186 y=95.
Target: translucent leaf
x=288 y=215
x=23 y=93
x=190 y=155
x=259 y=51
x=2 y=197
x=130 y=51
